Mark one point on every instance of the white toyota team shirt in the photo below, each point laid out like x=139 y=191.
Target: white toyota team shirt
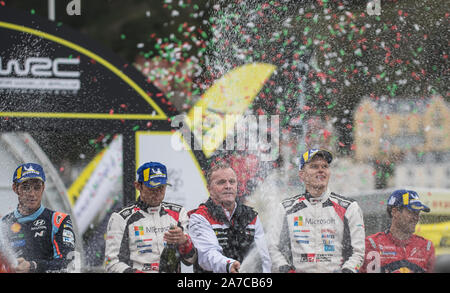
x=318 y=235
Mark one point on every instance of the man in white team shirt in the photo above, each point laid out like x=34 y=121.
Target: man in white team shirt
x=137 y=235
x=320 y=231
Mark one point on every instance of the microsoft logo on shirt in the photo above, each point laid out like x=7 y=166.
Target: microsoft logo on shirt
x=138 y=231
x=298 y=221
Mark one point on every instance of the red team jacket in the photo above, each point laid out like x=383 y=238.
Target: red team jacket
x=386 y=254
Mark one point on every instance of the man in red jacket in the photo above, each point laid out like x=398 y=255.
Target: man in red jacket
x=398 y=250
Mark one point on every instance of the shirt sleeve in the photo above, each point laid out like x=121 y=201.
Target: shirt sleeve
x=210 y=253
x=187 y=251
x=371 y=261
x=116 y=257
x=261 y=245
x=356 y=236
x=63 y=245
x=280 y=243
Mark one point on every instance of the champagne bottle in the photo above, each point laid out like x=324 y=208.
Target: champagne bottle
x=169 y=260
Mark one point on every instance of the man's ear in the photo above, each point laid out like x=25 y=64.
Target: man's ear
x=137 y=185
x=14 y=188
x=395 y=211
x=301 y=174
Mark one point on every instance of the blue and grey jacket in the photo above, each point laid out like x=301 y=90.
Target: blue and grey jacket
x=45 y=237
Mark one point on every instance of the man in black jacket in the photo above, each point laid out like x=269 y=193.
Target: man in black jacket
x=42 y=240
x=223 y=229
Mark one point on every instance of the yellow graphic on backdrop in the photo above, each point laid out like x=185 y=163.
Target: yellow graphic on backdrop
x=230 y=96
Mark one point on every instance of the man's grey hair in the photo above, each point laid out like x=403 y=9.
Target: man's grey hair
x=217 y=166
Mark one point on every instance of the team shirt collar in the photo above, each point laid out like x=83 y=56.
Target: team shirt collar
x=22 y=219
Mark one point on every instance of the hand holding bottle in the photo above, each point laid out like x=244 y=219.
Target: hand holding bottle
x=169 y=260
x=175 y=236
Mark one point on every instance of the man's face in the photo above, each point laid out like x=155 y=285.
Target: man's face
x=315 y=174
x=405 y=219
x=151 y=196
x=223 y=187
x=29 y=194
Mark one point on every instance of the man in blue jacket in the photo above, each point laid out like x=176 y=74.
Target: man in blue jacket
x=42 y=240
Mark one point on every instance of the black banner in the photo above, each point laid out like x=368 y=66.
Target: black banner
x=55 y=78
